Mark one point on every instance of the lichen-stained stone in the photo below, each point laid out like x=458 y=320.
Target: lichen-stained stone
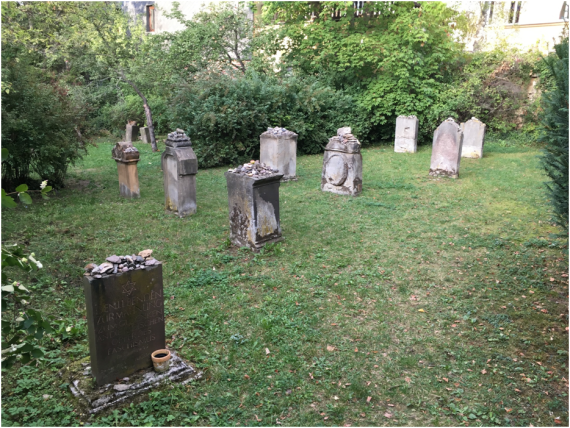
x=406 y=134
x=446 y=150
x=278 y=149
x=132 y=133
x=342 y=165
x=125 y=321
x=179 y=166
x=473 y=138
x=253 y=204
x=127 y=157
x=145 y=134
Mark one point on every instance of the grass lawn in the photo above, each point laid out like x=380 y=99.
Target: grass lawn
x=422 y=302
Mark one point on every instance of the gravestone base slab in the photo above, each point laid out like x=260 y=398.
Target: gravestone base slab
x=93 y=399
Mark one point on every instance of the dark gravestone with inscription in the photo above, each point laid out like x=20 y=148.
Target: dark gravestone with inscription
x=125 y=319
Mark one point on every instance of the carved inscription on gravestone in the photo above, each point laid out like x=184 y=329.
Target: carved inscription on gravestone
x=125 y=318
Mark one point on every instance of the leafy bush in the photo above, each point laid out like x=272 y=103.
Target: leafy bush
x=39 y=124
x=224 y=116
x=554 y=120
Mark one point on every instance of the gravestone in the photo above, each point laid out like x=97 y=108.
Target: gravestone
x=406 y=134
x=145 y=134
x=253 y=202
x=132 y=133
x=125 y=320
x=473 y=138
x=278 y=149
x=127 y=157
x=179 y=166
x=446 y=150
x=342 y=165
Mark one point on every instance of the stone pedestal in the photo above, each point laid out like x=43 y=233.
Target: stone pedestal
x=254 y=210
x=342 y=165
x=145 y=134
x=125 y=320
x=406 y=134
x=179 y=166
x=278 y=149
x=473 y=138
x=127 y=157
x=446 y=150
x=132 y=133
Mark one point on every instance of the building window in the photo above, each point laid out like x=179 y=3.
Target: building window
x=487 y=12
x=515 y=12
x=150 y=18
x=564 y=12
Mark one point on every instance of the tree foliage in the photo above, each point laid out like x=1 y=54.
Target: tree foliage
x=554 y=121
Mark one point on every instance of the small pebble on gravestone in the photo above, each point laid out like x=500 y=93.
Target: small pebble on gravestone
x=114 y=259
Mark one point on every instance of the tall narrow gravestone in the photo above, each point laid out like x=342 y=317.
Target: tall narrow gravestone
x=473 y=138
x=253 y=202
x=278 y=149
x=125 y=319
x=446 y=150
x=127 y=157
x=179 y=166
x=145 y=134
x=132 y=133
x=406 y=134
x=342 y=165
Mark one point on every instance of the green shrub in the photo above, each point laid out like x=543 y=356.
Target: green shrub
x=554 y=121
x=39 y=125
x=224 y=116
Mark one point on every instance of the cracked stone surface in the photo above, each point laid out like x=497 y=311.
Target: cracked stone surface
x=93 y=399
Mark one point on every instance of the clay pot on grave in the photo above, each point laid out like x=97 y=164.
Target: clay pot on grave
x=161 y=360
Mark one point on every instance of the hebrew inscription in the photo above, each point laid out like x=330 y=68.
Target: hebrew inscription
x=125 y=316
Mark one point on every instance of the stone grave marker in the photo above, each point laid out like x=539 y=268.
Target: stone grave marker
x=342 y=164
x=145 y=134
x=406 y=134
x=132 y=133
x=278 y=149
x=127 y=157
x=253 y=201
x=125 y=315
x=473 y=138
x=446 y=150
x=179 y=166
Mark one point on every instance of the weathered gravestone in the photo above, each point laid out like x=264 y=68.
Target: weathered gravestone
x=145 y=134
x=278 y=149
x=132 y=133
x=446 y=150
x=473 y=138
x=253 y=201
x=342 y=164
x=406 y=134
x=127 y=157
x=125 y=317
x=179 y=166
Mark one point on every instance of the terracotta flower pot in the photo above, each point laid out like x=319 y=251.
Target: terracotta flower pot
x=161 y=360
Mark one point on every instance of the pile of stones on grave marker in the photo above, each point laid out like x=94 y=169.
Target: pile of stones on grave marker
x=255 y=169
x=117 y=264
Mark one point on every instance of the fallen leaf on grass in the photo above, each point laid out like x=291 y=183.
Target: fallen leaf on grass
x=388 y=414
x=483 y=371
x=368 y=399
x=407 y=379
x=257 y=419
x=267 y=351
x=517 y=390
x=330 y=348
x=246 y=376
x=391 y=405
x=355 y=349
x=508 y=410
x=421 y=310
x=445 y=379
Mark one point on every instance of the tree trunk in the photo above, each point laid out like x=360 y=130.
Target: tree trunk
x=147 y=113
